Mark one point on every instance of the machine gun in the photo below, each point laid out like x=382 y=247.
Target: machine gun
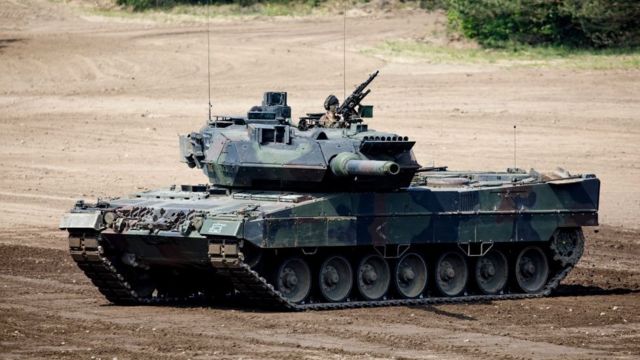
x=348 y=108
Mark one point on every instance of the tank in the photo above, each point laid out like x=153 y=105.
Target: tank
x=328 y=213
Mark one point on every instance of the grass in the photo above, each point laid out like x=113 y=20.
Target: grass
x=199 y=12
x=265 y=9
x=195 y=12
x=270 y=8
x=516 y=56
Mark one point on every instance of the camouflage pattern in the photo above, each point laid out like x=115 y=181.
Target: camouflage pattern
x=488 y=213
x=275 y=186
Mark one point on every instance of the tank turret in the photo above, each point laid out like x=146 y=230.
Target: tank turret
x=265 y=151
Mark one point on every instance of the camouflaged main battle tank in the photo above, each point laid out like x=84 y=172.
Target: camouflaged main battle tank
x=331 y=214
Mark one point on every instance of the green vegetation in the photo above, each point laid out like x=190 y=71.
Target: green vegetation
x=570 y=23
x=524 y=55
x=587 y=34
x=171 y=11
x=493 y=23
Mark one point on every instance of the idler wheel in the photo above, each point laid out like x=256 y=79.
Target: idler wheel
x=492 y=272
x=411 y=276
x=335 y=278
x=532 y=269
x=451 y=273
x=373 y=277
x=293 y=279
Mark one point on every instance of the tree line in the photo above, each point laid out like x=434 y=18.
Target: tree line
x=502 y=23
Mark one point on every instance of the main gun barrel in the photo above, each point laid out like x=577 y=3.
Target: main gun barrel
x=372 y=167
x=349 y=164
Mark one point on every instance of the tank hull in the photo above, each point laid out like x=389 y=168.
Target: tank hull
x=238 y=243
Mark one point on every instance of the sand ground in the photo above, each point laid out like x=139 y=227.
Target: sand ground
x=91 y=107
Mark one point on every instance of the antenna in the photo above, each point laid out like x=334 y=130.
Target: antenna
x=515 y=164
x=209 y=57
x=344 y=49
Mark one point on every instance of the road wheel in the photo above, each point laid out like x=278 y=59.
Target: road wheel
x=492 y=272
x=336 y=278
x=373 y=277
x=411 y=276
x=532 y=269
x=293 y=279
x=451 y=273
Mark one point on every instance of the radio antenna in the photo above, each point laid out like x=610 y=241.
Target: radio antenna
x=209 y=57
x=515 y=164
x=344 y=49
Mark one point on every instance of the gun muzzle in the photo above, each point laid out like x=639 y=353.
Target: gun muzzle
x=349 y=164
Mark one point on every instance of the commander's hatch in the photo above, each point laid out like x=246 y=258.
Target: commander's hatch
x=270 y=134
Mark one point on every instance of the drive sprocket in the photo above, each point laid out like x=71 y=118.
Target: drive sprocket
x=567 y=246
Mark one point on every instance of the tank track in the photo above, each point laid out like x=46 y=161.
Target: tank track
x=90 y=258
x=256 y=290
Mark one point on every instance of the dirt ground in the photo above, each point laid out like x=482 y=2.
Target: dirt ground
x=91 y=106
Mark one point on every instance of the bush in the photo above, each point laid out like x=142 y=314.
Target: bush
x=583 y=23
x=606 y=23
